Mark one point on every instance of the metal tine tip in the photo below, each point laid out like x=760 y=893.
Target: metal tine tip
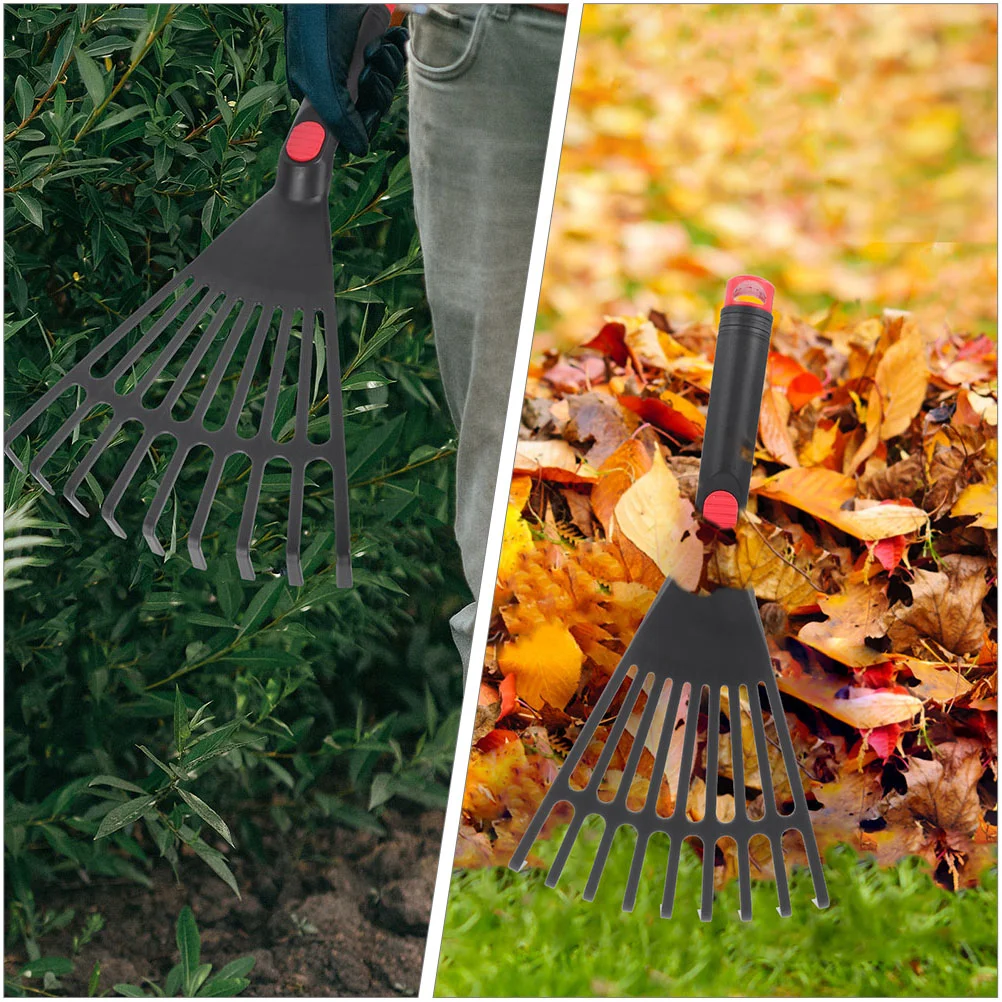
x=122 y=481
x=159 y=501
x=570 y=836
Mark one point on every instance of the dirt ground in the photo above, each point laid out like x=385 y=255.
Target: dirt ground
x=327 y=913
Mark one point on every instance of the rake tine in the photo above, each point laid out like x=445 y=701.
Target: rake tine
x=565 y=850
x=712 y=752
x=688 y=750
x=598 y=865
x=222 y=362
x=87 y=463
x=664 y=746
x=162 y=323
x=737 y=750
x=275 y=377
x=160 y=500
x=246 y=529
x=18 y=427
x=171 y=348
x=671 y=877
x=122 y=481
x=339 y=461
x=194 y=359
x=531 y=833
x=639 y=740
x=761 y=750
x=744 y=880
x=555 y=793
x=636 y=870
x=28 y=418
x=201 y=516
x=250 y=365
x=706 y=903
x=616 y=732
x=293 y=541
x=48 y=450
x=817 y=870
x=779 y=866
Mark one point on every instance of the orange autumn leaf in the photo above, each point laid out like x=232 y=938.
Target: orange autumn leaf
x=901 y=379
x=553 y=460
x=773 y=430
x=546 y=664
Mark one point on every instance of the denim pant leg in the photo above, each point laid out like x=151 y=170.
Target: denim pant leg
x=482 y=79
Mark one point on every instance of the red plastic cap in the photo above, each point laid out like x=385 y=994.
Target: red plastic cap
x=721 y=508
x=743 y=289
x=305 y=141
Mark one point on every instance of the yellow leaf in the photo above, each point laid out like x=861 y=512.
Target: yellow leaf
x=863 y=708
x=654 y=516
x=857 y=612
x=981 y=500
x=517 y=539
x=820 y=447
x=901 y=377
x=546 y=663
x=770 y=568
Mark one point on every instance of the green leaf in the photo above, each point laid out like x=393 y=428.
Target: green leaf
x=189 y=946
x=182 y=731
x=236 y=969
x=118 y=784
x=215 y=861
x=24 y=97
x=130 y=991
x=125 y=814
x=223 y=988
x=92 y=77
x=381 y=790
x=47 y=965
x=28 y=207
x=206 y=813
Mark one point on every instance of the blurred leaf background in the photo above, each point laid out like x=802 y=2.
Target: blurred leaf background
x=133 y=136
x=845 y=152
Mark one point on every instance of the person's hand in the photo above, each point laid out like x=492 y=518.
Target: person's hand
x=319 y=43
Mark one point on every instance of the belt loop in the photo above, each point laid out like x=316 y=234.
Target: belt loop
x=502 y=11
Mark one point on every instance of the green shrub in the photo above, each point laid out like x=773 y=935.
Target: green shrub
x=140 y=691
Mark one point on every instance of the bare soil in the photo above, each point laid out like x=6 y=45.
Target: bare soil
x=330 y=912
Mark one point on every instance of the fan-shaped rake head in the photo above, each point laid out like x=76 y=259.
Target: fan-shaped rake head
x=690 y=653
x=251 y=320
x=203 y=365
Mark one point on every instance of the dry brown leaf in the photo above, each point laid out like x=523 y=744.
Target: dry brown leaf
x=901 y=378
x=615 y=476
x=552 y=459
x=946 y=607
x=860 y=708
x=763 y=559
x=654 y=516
x=772 y=427
x=937 y=682
x=858 y=611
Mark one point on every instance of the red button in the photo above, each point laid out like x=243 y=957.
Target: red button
x=721 y=508
x=305 y=141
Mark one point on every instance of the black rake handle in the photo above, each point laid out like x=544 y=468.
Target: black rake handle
x=735 y=399
x=306 y=163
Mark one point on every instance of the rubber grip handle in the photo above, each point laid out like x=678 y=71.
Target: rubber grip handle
x=739 y=366
x=306 y=163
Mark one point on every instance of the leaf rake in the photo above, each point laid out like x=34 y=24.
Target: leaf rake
x=262 y=291
x=689 y=652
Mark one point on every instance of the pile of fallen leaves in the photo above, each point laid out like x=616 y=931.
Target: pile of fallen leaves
x=869 y=540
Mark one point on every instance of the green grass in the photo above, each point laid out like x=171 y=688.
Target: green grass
x=887 y=933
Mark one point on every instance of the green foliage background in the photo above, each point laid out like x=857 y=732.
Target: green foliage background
x=133 y=136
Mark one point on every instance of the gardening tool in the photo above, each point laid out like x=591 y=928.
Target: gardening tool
x=688 y=652
x=266 y=283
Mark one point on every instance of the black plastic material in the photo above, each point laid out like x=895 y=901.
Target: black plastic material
x=689 y=643
x=276 y=256
x=735 y=399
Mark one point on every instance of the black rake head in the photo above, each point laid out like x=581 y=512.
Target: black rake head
x=238 y=353
x=690 y=651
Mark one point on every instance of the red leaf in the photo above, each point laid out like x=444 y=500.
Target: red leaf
x=884 y=740
x=611 y=341
x=803 y=389
x=785 y=373
x=889 y=551
x=508 y=699
x=496 y=739
x=662 y=415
